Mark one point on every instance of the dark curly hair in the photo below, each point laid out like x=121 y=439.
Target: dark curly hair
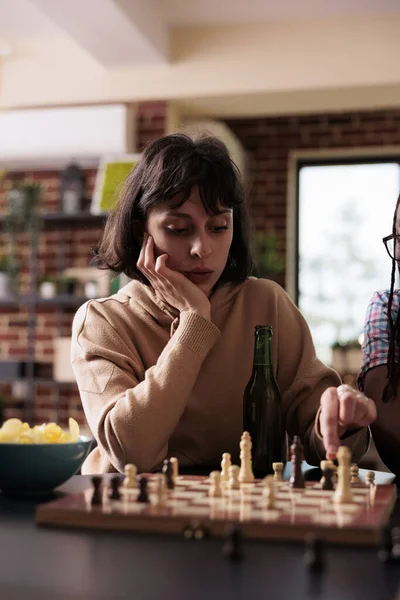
x=393 y=368
x=171 y=167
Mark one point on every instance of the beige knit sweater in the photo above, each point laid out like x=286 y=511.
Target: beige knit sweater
x=154 y=383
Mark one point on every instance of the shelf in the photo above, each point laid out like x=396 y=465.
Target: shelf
x=78 y=220
x=82 y=219
x=65 y=301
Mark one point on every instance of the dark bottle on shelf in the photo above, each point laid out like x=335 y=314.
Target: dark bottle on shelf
x=262 y=408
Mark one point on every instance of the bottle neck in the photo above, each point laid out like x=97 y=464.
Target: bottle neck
x=263 y=350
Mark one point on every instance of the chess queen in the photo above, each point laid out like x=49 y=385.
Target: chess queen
x=162 y=364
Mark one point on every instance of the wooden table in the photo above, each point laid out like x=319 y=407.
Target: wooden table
x=51 y=564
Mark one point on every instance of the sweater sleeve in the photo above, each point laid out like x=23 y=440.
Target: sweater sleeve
x=133 y=412
x=303 y=378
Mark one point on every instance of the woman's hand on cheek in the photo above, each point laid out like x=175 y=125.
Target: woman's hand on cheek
x=169 y=285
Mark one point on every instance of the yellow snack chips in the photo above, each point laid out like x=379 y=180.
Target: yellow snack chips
x=14 y=431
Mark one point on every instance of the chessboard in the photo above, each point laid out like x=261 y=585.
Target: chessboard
x=190 y=512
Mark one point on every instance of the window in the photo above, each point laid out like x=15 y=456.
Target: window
x=344 y=211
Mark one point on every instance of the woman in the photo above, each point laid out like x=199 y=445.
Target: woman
x=162 y=365
x=380 y=371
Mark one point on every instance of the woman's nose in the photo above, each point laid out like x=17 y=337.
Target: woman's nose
x=201 y=247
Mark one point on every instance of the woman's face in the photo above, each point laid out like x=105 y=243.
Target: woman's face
x=197 y=244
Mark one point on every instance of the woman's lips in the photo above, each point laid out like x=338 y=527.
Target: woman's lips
x=199 y=276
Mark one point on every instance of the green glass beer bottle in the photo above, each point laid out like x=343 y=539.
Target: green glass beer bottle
x=262 y=408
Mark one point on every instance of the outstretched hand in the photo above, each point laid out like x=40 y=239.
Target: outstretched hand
x=171 y=286
x=343 y=408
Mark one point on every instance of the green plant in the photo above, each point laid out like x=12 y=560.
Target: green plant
x=269 y=253
x=22 y=199
x=345 y=346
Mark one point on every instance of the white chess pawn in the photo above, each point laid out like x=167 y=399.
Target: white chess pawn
x=175 y=468
x=130 y=472
x=278 y=470
x=215 y=490
x=343 y=493
x=269 y=491
x=234 y=483
x=246 y=473
x=354 y=474
x=370 y=478
x=225 y=464
x=161 y=489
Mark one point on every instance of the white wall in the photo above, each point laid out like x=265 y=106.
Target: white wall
x=281 y=59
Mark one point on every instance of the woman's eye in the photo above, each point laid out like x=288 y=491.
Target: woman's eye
x=220 y=229
x=178 y=231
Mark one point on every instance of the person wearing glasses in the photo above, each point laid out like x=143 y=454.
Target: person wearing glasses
x=379 y=377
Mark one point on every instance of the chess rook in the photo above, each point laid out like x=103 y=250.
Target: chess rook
x=278 y=471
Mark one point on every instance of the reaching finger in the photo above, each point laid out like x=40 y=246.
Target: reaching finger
x=149 y=254
x=329 y=420
x=347 y=408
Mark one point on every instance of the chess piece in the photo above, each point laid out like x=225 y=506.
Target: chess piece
x=395 y=535
x=232 y=548
x=143 y=495
x=386 y=546
x=161 y=489
x=354 y=474
x=278 y=470
x=327 y=483
x=246 y=474
x=215 y=490
x=297 y=478
x=314 y=554
x=234 y=483
x=225 y=464
x=335 y=472
x=370 y=478
x=130 y=472
x=114 y=493
x=269 y=491
x=167 y=470
x=343 y=493
x=175 y=468
x=97 y=496
x=324 y=464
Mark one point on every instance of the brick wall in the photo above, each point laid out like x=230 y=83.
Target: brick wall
x=52 y=403
x=270 y=140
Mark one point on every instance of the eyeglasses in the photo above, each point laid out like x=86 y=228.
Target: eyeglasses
x=391 y=242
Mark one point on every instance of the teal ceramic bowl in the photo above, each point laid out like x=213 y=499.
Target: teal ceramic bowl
x=35 y=469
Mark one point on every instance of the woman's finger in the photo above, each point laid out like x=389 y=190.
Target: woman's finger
x=329 y=421
x=347 y=408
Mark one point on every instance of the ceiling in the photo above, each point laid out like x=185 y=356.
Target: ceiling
x=220 y=12
x=118 y=33
x=20 y=18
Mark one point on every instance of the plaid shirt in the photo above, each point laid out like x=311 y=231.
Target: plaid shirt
x=376 y=333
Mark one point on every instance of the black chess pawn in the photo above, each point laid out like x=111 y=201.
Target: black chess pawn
x=385 y=550
x=314 y=554
x=167 y=469
x=232 y=548
x=297 y=477
x=143 y=495
x=395 y=535
x=114 y=493
x=327 y=483
x=97 y=496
